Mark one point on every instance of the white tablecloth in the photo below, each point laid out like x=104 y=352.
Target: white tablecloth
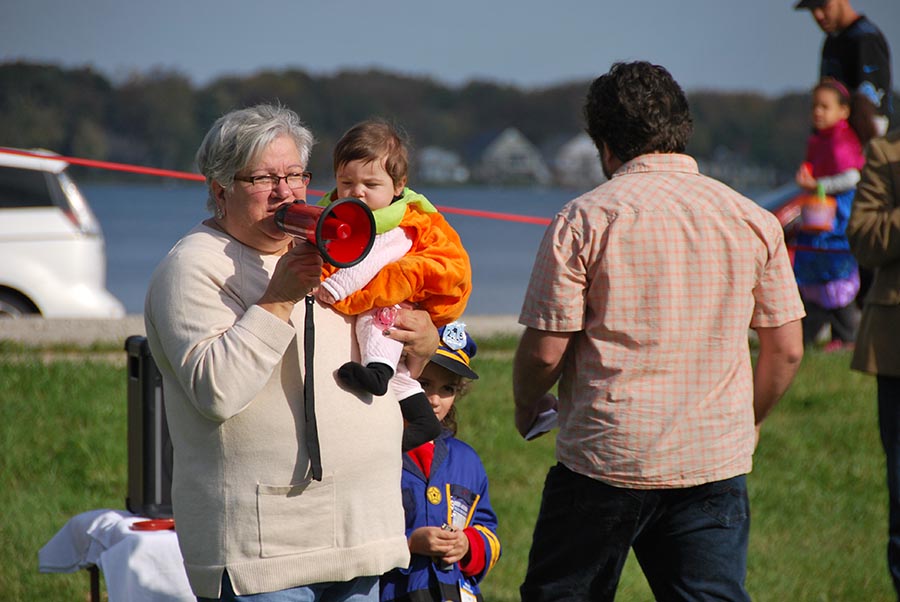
x=137 y=566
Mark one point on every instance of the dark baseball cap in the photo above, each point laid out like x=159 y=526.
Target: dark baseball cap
x=810 y=4
x=456 y=349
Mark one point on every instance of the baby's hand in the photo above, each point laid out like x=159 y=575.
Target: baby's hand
x=324 y=296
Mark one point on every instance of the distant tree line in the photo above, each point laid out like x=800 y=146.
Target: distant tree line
x=158 y=118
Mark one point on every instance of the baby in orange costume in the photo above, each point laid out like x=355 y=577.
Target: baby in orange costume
x=417 y=258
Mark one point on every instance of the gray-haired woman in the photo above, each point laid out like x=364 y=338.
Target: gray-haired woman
x=259 y=507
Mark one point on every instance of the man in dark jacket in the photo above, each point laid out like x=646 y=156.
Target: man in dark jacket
x=855 y=53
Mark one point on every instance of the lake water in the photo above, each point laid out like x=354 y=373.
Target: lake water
x=141 y=223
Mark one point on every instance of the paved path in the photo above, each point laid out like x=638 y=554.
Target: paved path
x=41 y=331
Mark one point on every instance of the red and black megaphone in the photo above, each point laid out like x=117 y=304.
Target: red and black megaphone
x=344 y=231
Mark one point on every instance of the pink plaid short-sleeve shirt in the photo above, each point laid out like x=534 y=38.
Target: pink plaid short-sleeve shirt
x=659 y=273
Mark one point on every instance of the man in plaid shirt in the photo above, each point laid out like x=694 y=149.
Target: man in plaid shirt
x=639 y=303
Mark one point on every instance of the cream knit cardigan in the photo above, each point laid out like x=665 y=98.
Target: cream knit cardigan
x=233 y=389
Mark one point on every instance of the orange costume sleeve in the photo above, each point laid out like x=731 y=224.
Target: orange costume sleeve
x=435 y=274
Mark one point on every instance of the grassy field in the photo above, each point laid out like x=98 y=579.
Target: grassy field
x=817 y=490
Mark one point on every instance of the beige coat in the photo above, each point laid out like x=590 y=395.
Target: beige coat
x=874 y=234
x=233 y=385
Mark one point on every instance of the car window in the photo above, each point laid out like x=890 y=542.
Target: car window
x=27 y=188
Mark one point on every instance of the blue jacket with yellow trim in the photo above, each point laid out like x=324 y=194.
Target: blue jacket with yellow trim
x=455 y=493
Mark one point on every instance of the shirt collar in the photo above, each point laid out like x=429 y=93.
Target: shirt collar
x=655 y=162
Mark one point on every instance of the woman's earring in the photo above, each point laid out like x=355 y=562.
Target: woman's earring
x=220 y=212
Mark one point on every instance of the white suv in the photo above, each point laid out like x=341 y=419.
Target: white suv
x=52 y=255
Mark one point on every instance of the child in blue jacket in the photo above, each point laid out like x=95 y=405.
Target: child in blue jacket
x=450 y=525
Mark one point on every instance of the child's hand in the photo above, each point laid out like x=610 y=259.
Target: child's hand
x=459 y=550
x=447 y=546
x=805 y=178
x=434 y=541
x=324 y=296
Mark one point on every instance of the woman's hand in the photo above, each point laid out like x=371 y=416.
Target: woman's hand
x=413 y=328
x=296 y=275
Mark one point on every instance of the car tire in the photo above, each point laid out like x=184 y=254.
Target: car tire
x=14 y=305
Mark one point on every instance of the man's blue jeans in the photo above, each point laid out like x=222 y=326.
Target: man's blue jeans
x=889 y=425
x=691 y=543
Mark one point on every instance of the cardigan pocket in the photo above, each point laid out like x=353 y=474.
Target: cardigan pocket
x=295 y=519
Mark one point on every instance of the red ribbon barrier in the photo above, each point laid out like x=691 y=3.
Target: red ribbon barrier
x=509 y=217
x=168 y=173
x=150 y=171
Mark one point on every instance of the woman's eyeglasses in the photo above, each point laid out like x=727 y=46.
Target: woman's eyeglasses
x=268 y=182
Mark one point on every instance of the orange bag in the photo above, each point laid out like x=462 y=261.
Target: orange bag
x=817 y=212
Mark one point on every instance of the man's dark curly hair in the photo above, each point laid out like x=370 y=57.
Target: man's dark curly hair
x=637 y=108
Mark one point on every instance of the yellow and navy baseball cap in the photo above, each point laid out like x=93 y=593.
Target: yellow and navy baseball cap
x=456 y=350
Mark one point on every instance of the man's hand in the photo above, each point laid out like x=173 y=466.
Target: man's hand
x=780 y=353
x=536 y=367
x=529 y=422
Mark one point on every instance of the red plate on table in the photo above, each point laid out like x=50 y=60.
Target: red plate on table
x=155 y=524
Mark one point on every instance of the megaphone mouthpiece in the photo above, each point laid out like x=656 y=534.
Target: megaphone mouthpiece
x=334 y=229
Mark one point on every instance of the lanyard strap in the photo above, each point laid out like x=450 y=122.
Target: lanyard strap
x=309 y=392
